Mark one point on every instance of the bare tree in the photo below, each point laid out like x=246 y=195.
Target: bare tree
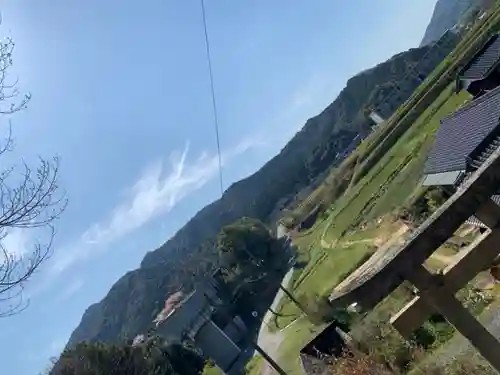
x=30 y=199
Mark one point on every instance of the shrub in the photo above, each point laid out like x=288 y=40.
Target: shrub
x=358 y=363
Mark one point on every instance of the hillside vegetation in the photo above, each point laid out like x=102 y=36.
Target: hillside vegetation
x=152 y=357
x=139 y=295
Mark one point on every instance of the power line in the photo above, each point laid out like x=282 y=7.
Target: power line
x=216 y=124
x=212 y=88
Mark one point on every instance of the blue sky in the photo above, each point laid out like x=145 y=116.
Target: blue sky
x=121 y=92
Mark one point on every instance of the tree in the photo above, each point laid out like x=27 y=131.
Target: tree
x=253 y=263
x=248 y=252
x=30 y=199
x=150 y=358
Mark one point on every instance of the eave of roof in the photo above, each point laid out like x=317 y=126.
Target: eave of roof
x=483 y=62
x=461 y=132
x=442 y=179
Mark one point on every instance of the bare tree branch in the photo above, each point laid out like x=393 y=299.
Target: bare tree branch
x=30 y=200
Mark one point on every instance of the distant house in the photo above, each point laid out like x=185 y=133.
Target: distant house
x=191 y=319
x=482 y=72
x=376 y=118
x=464 y=141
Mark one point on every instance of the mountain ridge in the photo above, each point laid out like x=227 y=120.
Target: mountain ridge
x=448 y=13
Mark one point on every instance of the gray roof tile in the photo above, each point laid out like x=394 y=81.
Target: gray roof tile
x=484 y=61
x=461 y=132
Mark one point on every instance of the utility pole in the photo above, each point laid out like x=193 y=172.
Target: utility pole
x=271 y=361
x=293 y=299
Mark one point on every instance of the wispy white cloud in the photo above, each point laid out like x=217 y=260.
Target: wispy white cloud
x=159 y=189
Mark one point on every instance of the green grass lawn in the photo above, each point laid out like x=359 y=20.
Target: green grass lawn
x=321 y=276
x=253 y=366
x=297 y=336
x=211 y=369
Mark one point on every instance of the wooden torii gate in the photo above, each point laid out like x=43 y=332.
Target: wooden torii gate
x=388 y=269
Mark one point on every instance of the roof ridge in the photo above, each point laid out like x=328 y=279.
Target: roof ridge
x=473 y=103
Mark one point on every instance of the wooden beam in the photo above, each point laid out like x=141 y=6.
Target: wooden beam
x=489 y=214
x=467 y=264
x=436 y=293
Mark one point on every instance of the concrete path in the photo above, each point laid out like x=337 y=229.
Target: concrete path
x=264 y=332
x=271 y=341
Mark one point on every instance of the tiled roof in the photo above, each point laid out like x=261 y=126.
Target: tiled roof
x=461 y=132
x=484 y=61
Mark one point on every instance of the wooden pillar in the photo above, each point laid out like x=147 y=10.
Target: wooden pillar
x=468 y=263
x=438 y=294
